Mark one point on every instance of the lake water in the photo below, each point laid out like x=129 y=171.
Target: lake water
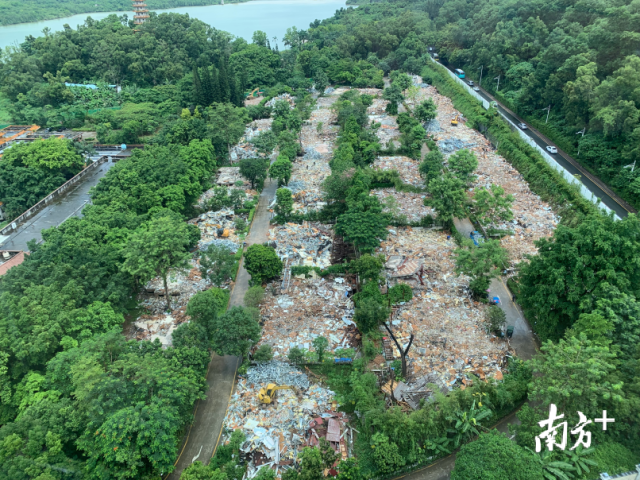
x=240 y=19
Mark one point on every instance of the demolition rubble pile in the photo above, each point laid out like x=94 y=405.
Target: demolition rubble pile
x=246 y=149
x=287 y=97
x=277 y=433
x=406 y=167
x=408 y=204
x=218 y=225
x=533 y=218
x=308 y=244
x=182 y=285
x=159 y=326
x=450 y=340
x=310 y=308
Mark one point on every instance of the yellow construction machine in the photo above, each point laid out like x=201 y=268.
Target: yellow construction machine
x=268 y=395
x=454 y=122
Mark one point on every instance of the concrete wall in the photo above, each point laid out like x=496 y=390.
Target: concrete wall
x=584 y=191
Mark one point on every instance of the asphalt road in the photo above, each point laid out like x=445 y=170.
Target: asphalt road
x=53 y=215
x=203 y=436
x=590 y=181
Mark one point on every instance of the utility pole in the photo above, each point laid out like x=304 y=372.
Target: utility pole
x=632 y=165
x=578 y=133
x=480 y=82
x=498 y=78
x=548 y=109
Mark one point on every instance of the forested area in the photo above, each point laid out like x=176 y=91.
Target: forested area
x=77 y=397
x=578 y=58
x=12 y=11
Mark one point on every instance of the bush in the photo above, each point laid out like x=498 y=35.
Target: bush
x=495 y=318
x=494 y=457
x=263 y=354
x=400 y=293
x=253 y=297
x=296 y=355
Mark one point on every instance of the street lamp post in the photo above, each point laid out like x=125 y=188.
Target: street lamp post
x=480 y=82
x=548 y=109
x=498 y=78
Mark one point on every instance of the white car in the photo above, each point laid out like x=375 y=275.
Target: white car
x=523 y=126
x=551 y=149
x=476 y=89
x=471 y=83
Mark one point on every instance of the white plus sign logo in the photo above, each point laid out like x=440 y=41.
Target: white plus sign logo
x=604 y=420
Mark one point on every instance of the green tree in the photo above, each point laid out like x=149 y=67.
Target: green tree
x=227 y=123
x=235 y=332
x=259 y=38
x=401 y=79
x=576 y=375
x=481 y=263
x=198 y=91
x=394 y=95
x=363 y=229
x=320 y=80
x=462 y=164
x=254 y=170
x=217 y=263
x=495 y=457
x=262 y=263
x=576 y=268
x=281 y=170
x=386 y=454
x=253 y=296
x=492 y=205
x=432 y=165
x=495 y=318
x=320 y=344
x=207 y=87
x=367 y=267
x=426 y=111
x=349 y=470
x=204 y=308
x=467 y=424
x=284 y=203
x=447 y=197
x=157 y=247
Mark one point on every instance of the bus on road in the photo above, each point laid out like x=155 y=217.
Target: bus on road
x=459 y=73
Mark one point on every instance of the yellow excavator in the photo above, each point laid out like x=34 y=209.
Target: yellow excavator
x=454 y=122
x=268 y=395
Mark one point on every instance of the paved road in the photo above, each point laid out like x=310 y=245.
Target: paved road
x=66 y=206
x=258 y=234
x=523 y=340
x=203 y=436
x=204 y=433
x=590 y=181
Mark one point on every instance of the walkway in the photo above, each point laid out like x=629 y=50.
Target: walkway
x=69 y=205
x=205 y=431
x=258 y=234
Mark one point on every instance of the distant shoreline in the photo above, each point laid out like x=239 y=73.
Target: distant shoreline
x=111 y=9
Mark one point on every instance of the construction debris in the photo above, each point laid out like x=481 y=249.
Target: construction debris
x=411 y=205
x=406 y=167
x=310 y=308
x=278 y=432
x=284 y=96
x=308 y=244
x=450 y=340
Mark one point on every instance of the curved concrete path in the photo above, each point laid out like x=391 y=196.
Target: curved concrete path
x=202 y=438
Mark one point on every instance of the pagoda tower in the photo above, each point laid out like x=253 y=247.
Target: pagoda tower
x=140 y=12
